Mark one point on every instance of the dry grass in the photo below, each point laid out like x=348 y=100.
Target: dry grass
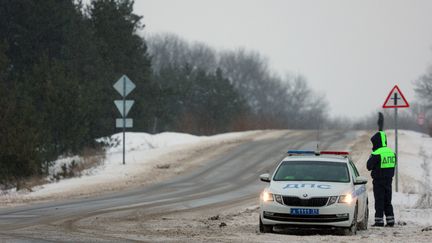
x=92 y=157
x=89 y=158
x=29 y=183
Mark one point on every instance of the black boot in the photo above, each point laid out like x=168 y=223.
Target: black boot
x=378 y=224
x=390 y=221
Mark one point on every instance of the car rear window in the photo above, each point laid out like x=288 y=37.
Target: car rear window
x=312 y=171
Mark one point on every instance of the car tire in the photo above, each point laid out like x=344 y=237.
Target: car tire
x=352 y=230
x=363 y=225
x=265 y=228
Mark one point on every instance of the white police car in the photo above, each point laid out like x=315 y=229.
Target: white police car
x=314 y=190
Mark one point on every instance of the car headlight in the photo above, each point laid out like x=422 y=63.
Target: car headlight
x=278 y=198
x=345 y=198
x=267 y=196
x=332 y=200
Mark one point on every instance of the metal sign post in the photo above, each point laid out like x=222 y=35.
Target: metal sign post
x=396 y=150
x=124 y=86
x=396 y=100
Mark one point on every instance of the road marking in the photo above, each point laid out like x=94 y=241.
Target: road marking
x=17 y=216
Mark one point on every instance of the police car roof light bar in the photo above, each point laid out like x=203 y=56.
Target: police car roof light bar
x=335 y=152
x=299 y=152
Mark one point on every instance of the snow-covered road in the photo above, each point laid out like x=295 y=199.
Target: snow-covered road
x=210 y=193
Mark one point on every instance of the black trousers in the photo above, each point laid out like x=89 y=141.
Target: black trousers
x=382 y=189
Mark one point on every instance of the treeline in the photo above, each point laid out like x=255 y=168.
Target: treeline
x=260 y=98
x=60 y=58
x=407 y=120
x=58 y=62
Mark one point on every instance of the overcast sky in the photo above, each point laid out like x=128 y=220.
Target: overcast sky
x=352 y=51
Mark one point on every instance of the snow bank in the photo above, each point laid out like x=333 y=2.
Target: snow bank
x=406 y=209
x=145 y=141
x=415 y=154
x=56 y=166
x=140 y=147
x=134 y=142
x=412 y=203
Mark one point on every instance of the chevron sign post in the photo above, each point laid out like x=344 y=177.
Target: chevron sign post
x=124 y=86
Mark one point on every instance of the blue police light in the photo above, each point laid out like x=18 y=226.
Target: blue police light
x=293 y=152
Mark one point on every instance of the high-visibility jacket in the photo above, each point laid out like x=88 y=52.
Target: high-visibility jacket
x=382 y=161
x=387 y=156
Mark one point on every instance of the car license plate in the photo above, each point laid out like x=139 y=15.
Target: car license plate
x=304 y=211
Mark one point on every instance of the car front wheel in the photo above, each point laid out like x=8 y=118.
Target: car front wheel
x=265 y=228
x=363 y=225
x=352 y=230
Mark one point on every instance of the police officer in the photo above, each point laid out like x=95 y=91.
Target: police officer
x=381 y=163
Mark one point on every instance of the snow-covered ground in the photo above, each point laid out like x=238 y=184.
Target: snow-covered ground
x=412 y=204
x=415 y=152
x=239 y=223
x=415 y=155
x=413 y=201
x=146 y=155
x=146 y=152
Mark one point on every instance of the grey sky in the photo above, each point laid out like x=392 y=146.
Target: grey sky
x=353 y=51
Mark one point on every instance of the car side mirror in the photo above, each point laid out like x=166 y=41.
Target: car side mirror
x=265 y=177
x=360 y=180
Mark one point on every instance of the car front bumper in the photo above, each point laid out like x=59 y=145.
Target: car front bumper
x=336 y=215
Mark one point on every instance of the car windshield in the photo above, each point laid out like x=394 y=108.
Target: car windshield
x=312 y=171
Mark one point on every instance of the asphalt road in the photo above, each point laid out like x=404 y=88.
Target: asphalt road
x=229 y=177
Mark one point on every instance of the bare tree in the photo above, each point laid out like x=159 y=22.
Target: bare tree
x=248 y=71
x=273 y=101
x=423 y=88
x=305 y=108
x=169 y=50
x=202 y=56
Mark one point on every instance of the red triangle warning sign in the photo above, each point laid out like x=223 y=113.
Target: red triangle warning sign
x=395 y=99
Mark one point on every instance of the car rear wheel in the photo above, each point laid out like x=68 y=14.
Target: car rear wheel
x=265 y=228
